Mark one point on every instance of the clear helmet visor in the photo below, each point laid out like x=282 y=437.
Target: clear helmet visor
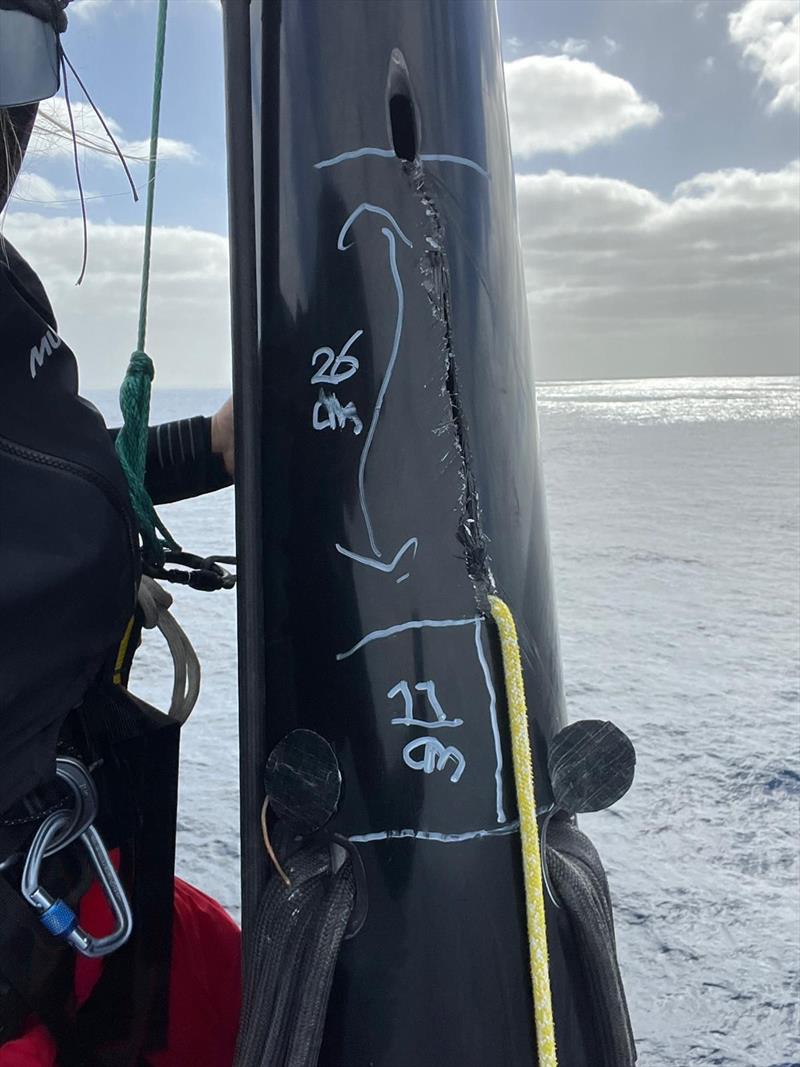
x=29 y=59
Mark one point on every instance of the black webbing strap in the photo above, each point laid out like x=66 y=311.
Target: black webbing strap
x=580 y=883
x=294 y=947
x=127 y=1013
x=134 y=751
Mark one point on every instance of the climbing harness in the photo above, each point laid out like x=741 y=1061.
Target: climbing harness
x=57 y=831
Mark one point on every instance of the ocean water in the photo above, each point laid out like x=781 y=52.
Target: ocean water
x=674 y=525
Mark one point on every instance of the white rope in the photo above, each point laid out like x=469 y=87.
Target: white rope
x=155 y=603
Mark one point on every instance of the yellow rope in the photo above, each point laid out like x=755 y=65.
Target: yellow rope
x=122 y=651
x=529 y=832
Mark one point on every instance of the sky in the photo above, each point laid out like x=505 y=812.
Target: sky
x=656 y=147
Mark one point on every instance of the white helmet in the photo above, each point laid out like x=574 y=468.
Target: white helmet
x=30 y=54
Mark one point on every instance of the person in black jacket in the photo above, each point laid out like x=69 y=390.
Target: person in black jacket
x=41 y=411
x=69 y=552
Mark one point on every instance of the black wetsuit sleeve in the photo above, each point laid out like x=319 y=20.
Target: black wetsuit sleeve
x=180 y=463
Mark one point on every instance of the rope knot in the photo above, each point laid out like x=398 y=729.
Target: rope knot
x=134 y=393
x=142 y=365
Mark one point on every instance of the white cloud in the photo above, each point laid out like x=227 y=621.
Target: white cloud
x=572 y=46
x=561 y=104
x=52 y=136
x=701 y=10
x=188 y=320
x=768 y=35
x=36 y=189
x=575 y=46
x=88 y=10
x=708 y=64
x=622 y=282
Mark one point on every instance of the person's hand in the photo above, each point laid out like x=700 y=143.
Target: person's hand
x=222 y=434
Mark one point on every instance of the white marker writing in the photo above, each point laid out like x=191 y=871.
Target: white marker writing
x=434 y=757
x=335 y=416
x=330 y=373
x=403 y=689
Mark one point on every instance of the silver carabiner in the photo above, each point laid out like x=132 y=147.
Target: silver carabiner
x=84 y=794
x=58 y=830
x=84 y=797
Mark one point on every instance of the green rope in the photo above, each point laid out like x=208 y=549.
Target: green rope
x=134 y=393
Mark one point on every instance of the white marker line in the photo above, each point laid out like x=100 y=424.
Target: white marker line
x=427 y=723
x=498 y=774
x=398 y=330
x=389 y=153
x=362 y=465
x=387 y=568
x=356 y=154
x=416 y=624
x=431 y=835
x=460 y=160
x=374 y=210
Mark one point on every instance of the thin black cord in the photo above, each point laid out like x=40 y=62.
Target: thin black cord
x=104 y=124
x=77 y=169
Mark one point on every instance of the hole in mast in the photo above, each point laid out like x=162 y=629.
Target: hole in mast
x=402 y=111
x=403 y=125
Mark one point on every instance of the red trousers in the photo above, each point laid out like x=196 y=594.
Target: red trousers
x=205 y=986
